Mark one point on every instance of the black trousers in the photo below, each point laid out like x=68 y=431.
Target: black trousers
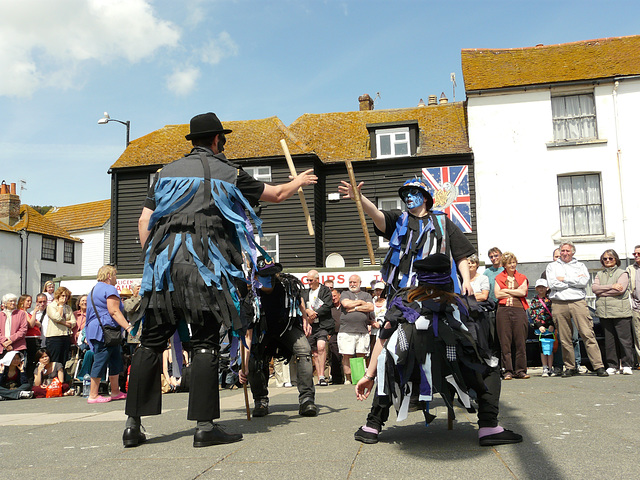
x=145 y=396
x=488 y=404
x=59 y=348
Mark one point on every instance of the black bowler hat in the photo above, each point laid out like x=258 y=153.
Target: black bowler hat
x=205 y=124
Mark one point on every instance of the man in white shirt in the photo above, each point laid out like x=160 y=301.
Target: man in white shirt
x=318 y=305
x=568 y=279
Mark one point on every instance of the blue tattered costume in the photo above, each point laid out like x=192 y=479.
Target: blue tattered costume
x=433 y=347
x=200 y=238
x=414 y=239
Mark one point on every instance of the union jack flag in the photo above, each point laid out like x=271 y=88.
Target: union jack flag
x=450 y=190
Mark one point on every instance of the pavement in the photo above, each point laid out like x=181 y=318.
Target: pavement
x=582 y=427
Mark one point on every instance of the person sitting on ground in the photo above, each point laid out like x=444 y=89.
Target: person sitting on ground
x=14 y=383
x=540 y=314
x=46 y=371
x=421 y=326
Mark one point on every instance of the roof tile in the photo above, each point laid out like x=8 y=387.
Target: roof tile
x=332 y=136
x=81 y=216
x=249 y=139
x=34 y=222
x=485 y=69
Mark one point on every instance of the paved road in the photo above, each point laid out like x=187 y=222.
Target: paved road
x=577 y=428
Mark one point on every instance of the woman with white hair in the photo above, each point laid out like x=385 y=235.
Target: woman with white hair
x=13 y=326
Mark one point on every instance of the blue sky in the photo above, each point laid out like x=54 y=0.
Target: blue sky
x=64 y=62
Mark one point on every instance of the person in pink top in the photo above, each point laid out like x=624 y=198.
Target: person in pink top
x=81 y=319
x=13 y=326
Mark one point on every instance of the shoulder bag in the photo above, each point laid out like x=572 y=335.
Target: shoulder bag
x=112 y=335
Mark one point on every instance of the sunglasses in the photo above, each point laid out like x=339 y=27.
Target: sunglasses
x=636 y=254
x=607 y=258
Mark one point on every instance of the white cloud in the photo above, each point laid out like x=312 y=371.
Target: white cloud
x=183 y=81
x=42 y=42
x=216 y=49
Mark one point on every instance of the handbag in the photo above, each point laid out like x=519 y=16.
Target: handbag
x=112 y=335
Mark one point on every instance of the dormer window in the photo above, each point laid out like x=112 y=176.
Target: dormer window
x=392 y=142
x=394 y=139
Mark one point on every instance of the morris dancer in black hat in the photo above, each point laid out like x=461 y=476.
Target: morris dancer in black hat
x=279 y=329
x=425 y=347
x=195 y=230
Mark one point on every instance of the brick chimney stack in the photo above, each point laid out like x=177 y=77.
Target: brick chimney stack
x=365 y=102
x=9 y=204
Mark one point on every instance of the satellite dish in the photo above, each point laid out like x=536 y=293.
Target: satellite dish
x=334 y=260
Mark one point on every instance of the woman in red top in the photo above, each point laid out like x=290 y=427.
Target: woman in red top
x=511 y=318
x=33 y=331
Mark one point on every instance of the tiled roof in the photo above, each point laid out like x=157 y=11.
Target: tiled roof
x=485 y=69
x=332 y=136
x=34 y=222
x=344 y=136
x=249 y=139
x=81 y=216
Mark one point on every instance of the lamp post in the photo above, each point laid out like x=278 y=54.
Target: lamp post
x=106 y=119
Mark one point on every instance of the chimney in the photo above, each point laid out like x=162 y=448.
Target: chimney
x=9 y=204
x=433 y=100
x=365 y=102
x=443 y=99
x=421 y=103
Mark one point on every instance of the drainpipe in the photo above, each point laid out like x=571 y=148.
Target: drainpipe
x=24 y=257
x=618 y=156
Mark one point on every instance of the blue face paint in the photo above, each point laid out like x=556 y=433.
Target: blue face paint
x=413 y=199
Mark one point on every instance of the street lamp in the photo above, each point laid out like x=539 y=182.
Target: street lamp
x=106 y=119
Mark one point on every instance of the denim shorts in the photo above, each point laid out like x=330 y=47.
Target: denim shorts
x=106 y=357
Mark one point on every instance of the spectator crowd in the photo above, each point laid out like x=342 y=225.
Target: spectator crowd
x=45 y=349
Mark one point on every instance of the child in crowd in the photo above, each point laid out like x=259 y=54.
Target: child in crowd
x=540 y=315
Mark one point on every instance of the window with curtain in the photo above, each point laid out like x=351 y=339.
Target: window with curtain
x=580 y=201
x=388 y=203
x=574 y=117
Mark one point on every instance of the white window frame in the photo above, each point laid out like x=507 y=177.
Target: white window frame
x=259 y=172
x=385 y=203
x=394 y=141
x=588 y=205
x=275 y=254
x=582 y=121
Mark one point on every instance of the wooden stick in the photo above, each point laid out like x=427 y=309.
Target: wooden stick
x=292 y=169
x=363 y=221
x=244 y=385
